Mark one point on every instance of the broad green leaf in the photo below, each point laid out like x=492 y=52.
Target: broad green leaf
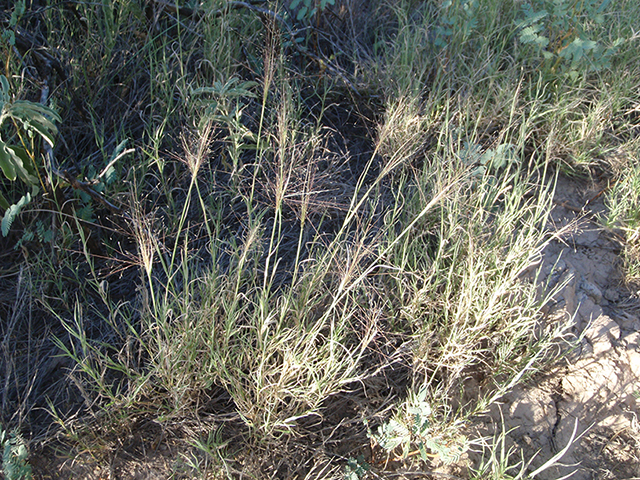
x=28 y=114
x=6 y=162
x=32 y=108
x=4 y=86
x=24 y=166
x=12 y=161
x=12 y=212
x=470 y=153
x=577 y=49
x=35 y=119
x=118 y=150
x=111 y=175
x=26 y=160
x=229 y=89
x=9 y=36
x=46 y=133
x=423 y=451
x=199 y=90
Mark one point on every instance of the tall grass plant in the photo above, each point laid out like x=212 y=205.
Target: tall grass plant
x=299 y=233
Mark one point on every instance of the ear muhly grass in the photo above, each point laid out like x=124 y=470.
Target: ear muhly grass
x=287 y=266
x=460 y=289
x=623 y=202
x=278 y=352
x=453 y=247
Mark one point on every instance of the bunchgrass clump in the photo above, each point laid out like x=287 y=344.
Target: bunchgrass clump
x=623 y=217
x=301 y=237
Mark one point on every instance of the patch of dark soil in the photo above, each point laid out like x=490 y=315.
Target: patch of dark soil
x=145 y=454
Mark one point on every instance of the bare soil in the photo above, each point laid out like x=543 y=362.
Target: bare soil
x=595 y=388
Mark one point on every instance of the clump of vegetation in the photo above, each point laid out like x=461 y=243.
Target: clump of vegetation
x=565 y=36
x=623 y=216
x=19 y=160
x=14 y=456
x=287 y=235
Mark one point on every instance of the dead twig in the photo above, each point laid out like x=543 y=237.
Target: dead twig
x=87 y=188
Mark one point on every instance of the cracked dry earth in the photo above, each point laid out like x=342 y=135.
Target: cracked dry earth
x=597 y=384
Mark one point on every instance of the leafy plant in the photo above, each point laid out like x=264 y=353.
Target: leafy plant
x=561 y=33
x=43 y=233
x=356 y=468
x=224 y=109
x=457 y=18
x=14 y=456
x=418 y=427
x=8 y=34
x=16 y=161
x=490 y=159
x=306 y=9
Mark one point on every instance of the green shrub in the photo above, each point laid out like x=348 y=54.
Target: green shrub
x=19 y=160
x=563 y=36
x=14 y=456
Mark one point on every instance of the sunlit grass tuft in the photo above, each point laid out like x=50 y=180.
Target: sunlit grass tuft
x=290 y=248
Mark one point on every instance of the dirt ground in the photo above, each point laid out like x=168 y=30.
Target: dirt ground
x=596 y=387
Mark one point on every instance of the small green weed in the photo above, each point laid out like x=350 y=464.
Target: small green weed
x=14 y=456
x=562 y=35
x=419 y=426
x=491 y=159
x=307 y=9
x=224 y=108
x=356 y=468
x=457 y=19
x=8 y=35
